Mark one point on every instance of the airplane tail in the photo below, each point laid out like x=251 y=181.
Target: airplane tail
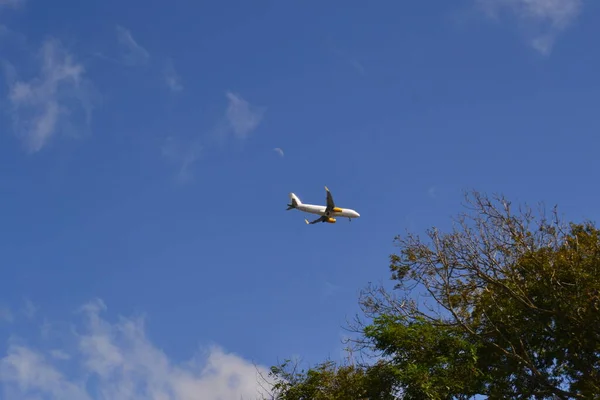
x=294 y=201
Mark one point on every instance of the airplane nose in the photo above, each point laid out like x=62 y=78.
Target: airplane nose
x=357 y=214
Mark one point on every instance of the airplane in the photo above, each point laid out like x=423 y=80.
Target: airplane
x=327 y=213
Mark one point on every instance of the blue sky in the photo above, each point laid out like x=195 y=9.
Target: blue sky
x=143 y=201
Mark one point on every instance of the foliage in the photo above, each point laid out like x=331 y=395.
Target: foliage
x=432 y=361
x=327 y=381
x=513 y=311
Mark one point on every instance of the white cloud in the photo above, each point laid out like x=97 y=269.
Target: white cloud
x=25 y=372
x=132 y=53
x=50 y=101
x=116 y=360
x=541 y=20
x=278 y=151
x=242 y=117
x=172 y=79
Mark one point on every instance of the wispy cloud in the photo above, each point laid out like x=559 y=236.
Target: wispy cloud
x=172 y=79
x=242 y=117
x=116 y=360
x=239 y=120
x=131 y=52
x=353 y=61
x=29 y=309
x=27 y=372
x=278 y=151
x=357 y=66
x=51 y=101
x=59 y=354
x=330 y=289
x=11 y=3
x=541 y=20
x=6 y=314
x=432 y=191
x=183 y=154
x=12 y=38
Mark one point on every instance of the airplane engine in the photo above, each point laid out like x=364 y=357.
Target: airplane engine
x=337 y=209
x=330 y=220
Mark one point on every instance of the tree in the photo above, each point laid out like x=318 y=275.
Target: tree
x=513 y=310
x=328 y=381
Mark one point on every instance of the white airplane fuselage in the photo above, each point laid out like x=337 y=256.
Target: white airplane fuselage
x=322 y=210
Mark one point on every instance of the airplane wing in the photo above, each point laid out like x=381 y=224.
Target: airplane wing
x=330 y=203
x=320 y=219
